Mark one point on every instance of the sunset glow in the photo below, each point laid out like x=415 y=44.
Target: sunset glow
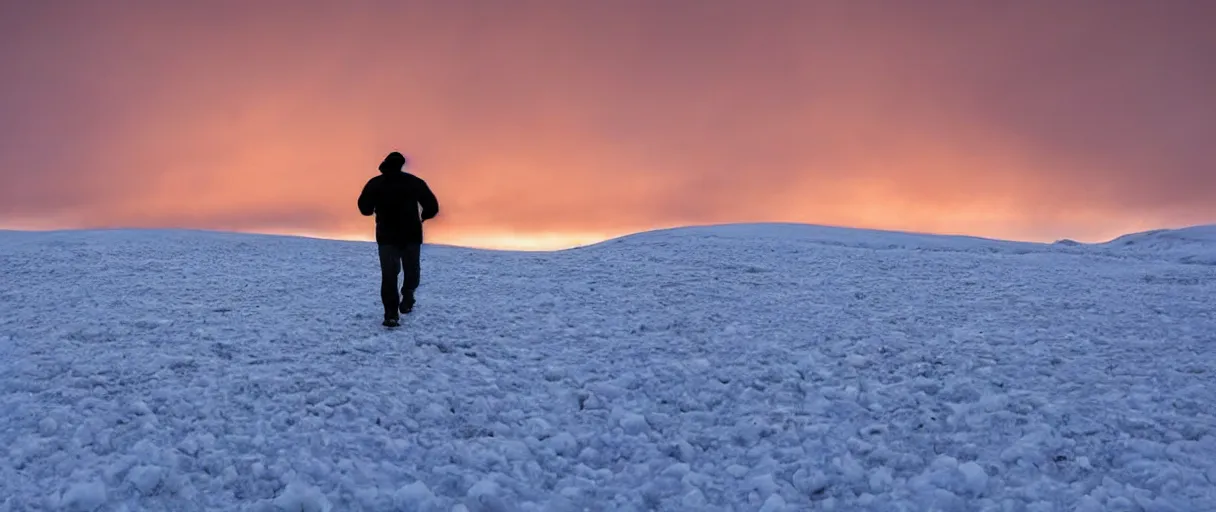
x=545 y=125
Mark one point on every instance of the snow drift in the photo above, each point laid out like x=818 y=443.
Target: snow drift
x=1189 y=245
x=762 y=367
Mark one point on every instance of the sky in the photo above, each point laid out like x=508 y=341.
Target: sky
x=542 y=124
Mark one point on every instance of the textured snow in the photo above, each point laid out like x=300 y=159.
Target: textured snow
x=751 y=367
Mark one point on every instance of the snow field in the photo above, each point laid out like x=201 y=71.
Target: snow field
x=773 y=368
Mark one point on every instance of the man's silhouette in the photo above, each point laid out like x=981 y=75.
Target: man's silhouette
x=394 y=197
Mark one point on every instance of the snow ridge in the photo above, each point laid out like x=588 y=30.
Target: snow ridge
x=774 y=368
x=1194 y=245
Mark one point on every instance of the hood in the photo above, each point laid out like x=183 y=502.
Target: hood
x=394 y=162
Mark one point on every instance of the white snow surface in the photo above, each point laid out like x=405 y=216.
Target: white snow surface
x=748 y=367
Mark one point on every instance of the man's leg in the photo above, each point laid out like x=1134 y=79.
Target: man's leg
x=390 y=266
x=410 y=256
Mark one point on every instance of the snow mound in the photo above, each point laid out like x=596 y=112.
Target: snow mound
x=792 y=234
x=1193 y=245
x=761 y=367
x=1196 y=245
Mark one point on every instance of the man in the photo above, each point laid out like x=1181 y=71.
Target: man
x=394 y=197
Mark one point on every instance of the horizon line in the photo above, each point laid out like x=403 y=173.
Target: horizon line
x=513 y=241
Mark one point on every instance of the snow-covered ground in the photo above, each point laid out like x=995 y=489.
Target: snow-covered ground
x=768 y=368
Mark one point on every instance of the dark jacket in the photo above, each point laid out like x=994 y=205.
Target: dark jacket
x=394 y=197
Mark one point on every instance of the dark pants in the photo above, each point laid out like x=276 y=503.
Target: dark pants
x=394 y=259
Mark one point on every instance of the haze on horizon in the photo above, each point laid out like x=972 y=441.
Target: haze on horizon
x=545 y=123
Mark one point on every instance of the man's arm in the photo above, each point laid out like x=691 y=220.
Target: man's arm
x=430 y=205
x=367 y=198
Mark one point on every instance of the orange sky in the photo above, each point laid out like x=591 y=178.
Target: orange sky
x=543 y=124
